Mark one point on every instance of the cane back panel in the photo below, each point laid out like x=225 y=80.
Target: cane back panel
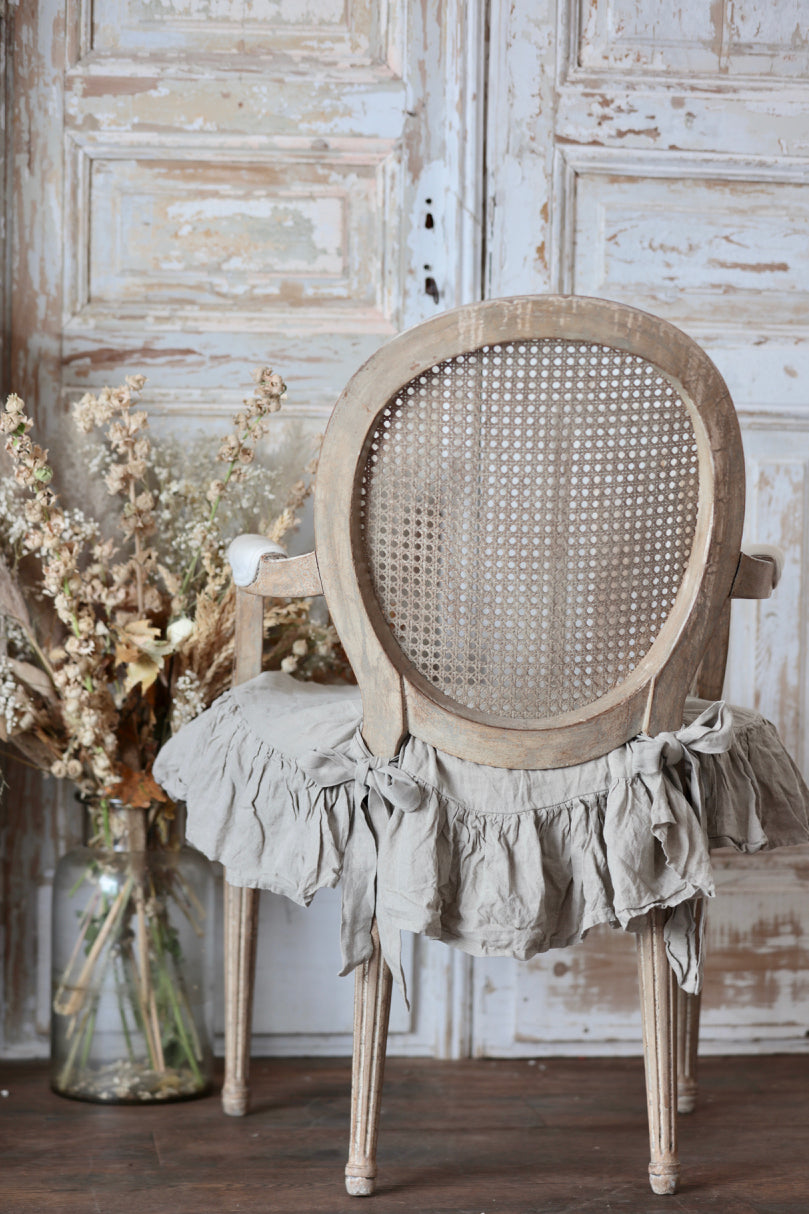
x=528 y=510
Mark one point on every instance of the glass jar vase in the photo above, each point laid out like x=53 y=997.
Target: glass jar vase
x=131 y=1014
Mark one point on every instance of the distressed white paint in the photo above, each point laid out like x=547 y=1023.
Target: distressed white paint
x=583 y=1000
x=768 y=667
x=250 y=183
x=731 y=37
x=269 y=201
x=662 y=159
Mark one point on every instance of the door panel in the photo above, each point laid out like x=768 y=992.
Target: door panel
x=203 y=186
x=664 y=161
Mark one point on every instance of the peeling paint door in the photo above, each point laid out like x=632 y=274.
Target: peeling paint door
x=659 y=155
x=201 y=187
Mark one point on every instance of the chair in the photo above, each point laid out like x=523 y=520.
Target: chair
x=528 y=524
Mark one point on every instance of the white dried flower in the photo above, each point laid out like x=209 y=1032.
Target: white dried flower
x=179 y=630
x=187 y=700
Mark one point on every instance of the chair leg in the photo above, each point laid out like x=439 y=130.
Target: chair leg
x=372 y=991
x=688 y=1009
x=688 y=1012
x=659 y=1011
x=241 y=932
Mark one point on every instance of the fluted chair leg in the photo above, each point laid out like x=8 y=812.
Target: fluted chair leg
x=372 y=991
x=688 y=1012
x=659 y=1012
x=688 y=1009
x=241 y=931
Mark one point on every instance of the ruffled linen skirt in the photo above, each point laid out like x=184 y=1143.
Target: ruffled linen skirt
x=281 y=789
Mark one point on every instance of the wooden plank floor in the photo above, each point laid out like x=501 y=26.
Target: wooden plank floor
x=554 y=1137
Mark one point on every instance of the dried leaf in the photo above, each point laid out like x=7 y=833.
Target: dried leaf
x=12 y=602
x=137 y=788
x=143 y=670
x=34 y=678
x=31 y=748
x=135 y=638
x=142 y=653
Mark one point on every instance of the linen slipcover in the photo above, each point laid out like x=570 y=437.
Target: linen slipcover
x=281 y=789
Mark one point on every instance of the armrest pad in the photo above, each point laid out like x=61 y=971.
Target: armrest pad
x=758 y=572
x=245 y=554
x=262 y=567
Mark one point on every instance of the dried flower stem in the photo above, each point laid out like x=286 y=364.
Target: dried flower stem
x=69 y=1005
x=136 y=536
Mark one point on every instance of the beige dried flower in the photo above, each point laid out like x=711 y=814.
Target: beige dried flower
x=140 y=626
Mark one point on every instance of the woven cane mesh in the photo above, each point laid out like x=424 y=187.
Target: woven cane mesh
x=527 y=513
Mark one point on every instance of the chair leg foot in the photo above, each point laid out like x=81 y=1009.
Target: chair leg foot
x=360 y=1186
x=664 y=1178
x=235 y=1100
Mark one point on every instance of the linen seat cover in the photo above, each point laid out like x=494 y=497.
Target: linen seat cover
x=281 y=789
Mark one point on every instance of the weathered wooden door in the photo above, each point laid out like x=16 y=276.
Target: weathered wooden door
x=659 y=155
x=200 y=187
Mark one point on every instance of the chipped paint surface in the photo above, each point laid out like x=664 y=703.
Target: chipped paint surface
x=237 y=182
x=660 y=156
x=204 y=186
x=698 y=37
x=584 y=999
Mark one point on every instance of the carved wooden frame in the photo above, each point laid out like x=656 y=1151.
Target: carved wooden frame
x=397 y=699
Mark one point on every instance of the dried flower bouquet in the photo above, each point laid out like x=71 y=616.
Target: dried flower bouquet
x=111 y=638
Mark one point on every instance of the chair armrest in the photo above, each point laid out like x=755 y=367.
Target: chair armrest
x=262 y=567
x=758 y=572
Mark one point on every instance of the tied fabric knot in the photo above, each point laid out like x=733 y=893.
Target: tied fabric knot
x=660 y=761
x=379 y=785
x=711 y=733
x=372 y=777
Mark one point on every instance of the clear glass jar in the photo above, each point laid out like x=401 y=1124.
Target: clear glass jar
x=131 y=1008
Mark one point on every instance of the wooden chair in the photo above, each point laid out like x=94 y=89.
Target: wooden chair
x=528 y=524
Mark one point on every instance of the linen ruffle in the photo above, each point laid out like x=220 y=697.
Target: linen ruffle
x=282 y=790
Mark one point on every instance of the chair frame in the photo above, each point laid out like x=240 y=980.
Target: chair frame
x=398 y=700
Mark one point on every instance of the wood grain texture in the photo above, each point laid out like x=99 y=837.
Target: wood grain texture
x=649 y=699
x=687 y=1018
x=295 y=576
x=655 y=180
x=711 y=674
x=187 y=204
x=560 y=1136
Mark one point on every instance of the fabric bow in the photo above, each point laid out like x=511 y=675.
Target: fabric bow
x=372 y=777
x=711 y=733
x=658 y=760
x=379 y=786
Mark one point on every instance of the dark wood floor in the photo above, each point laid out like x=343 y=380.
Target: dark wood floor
x=554 y=1137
